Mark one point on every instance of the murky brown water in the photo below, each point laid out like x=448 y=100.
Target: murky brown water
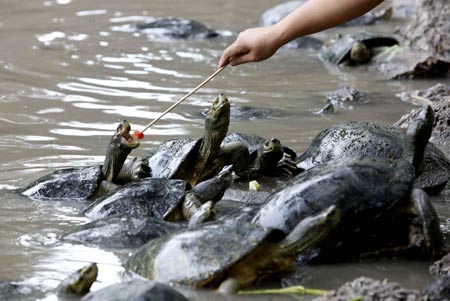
x=71 y=69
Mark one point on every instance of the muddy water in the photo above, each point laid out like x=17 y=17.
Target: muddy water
x=70 y=70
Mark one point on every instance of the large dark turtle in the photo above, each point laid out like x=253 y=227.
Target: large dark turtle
x=136 y=290
x=355 y=48
x=176 y=28
x=82 y=183
x=165 y=199
x=120 y=231
x=376 y=203
x=195 y=160
x=229 y=254
x=363 y=139
x=267 y=156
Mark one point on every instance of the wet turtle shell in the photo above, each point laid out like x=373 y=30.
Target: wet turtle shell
x=201 y=259
x=339 y=51
x=78 y=183
x=362 y=140
x=356 y=140
x=168 y=157
x=120 y=231
x=136 y=290
x=176 y=28
x=150 y=197
x=361 y=189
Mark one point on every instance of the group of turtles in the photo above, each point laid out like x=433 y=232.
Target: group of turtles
x=357 y=191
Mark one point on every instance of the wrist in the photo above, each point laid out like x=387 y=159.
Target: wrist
x=279 y=35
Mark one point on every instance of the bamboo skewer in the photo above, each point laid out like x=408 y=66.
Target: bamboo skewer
x=184 y=98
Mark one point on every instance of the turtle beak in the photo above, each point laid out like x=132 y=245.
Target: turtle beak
x=123 y=130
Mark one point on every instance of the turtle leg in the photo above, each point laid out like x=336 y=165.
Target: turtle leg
x=428 y=223
x=135 y=168
x=195 y=212
x=103 y=188
x=236 y=154
x=287 y=166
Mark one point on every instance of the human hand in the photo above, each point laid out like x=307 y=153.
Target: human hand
x=252 y=45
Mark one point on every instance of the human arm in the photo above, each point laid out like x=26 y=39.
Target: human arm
x=257 y=44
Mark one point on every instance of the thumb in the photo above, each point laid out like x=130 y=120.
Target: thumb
x=242 y=59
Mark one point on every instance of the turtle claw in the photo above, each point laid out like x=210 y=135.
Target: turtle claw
x=287 y=166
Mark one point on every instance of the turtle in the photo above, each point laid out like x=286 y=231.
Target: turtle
x=356 y=48
x=364 y=139
x=141 y=290
x=230 y=254
x=238 y=113
x=72 y=287
x=123 y=231
x=78 y=283
x=176 y=28
x=81 y=183
x=268 y=157
x=196 y=160
x=165 y=199
x=376 y=201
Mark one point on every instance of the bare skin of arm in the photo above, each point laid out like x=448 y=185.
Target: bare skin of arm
x=258 y=44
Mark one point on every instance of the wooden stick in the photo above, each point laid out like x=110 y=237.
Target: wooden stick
x=184 y=98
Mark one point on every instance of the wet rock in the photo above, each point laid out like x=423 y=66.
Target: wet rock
x=278 y=12
x=372 y=290
x=441 y=126
x=346 y=95
x=441 y=267
x=176 y=28
x=307 y=42
x=426 y=44
x=326 y=110
x=438 y=290
x=437 y=93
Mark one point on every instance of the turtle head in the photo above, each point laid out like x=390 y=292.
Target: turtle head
x=359 y=53
x=217 y=121
x=271 y=153
x=419 y=131
x=120 y=146
x=82 y=280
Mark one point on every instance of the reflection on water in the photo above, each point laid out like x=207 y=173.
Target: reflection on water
x=71 y=70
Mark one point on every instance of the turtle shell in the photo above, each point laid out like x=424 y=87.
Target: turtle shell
x=120 y=231
x=361 y=189
x=198 y=257
x=136 y=290
x=149 y=197
x=168 y=158
x=73 y=183
x=339 y=51
x=356 y=140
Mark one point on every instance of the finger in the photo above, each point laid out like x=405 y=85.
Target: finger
x=227 y=55
x=241 y=59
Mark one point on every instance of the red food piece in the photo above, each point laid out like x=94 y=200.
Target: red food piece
x=138 y=135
